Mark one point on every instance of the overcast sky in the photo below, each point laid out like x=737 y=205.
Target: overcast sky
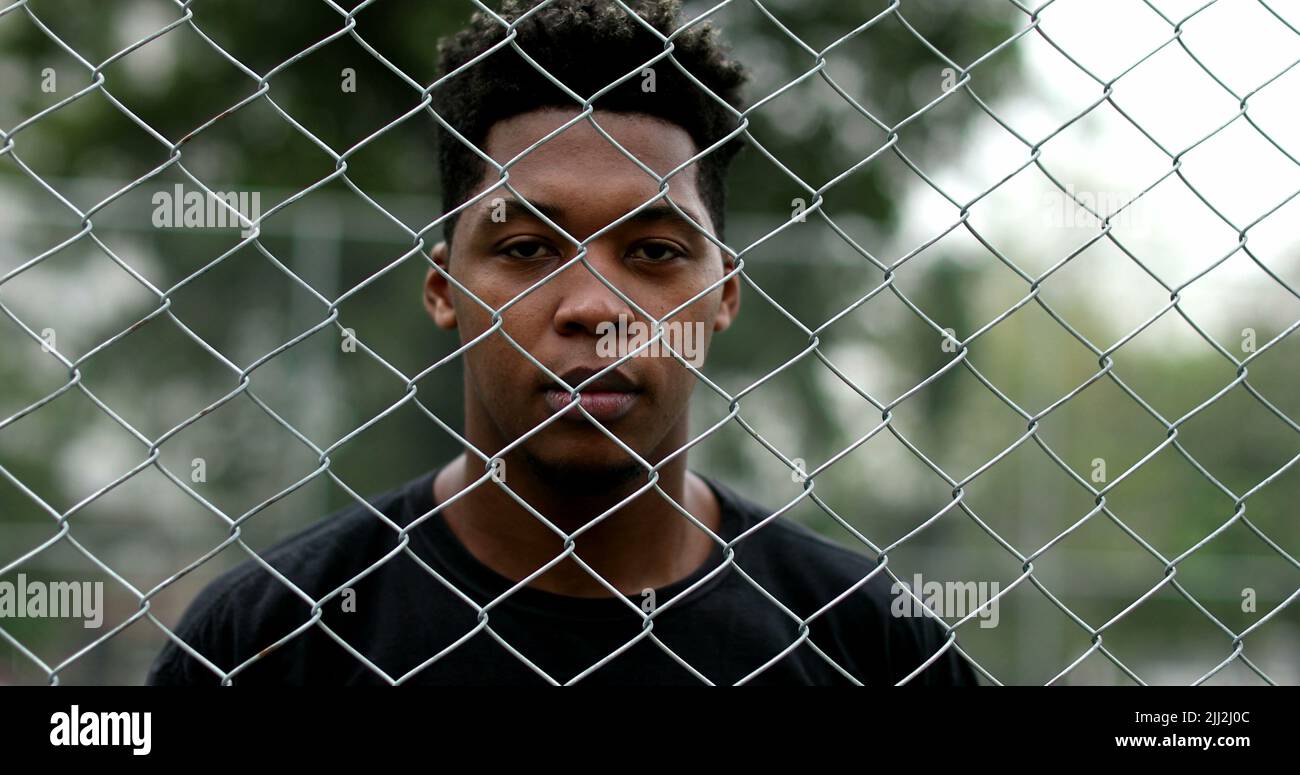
x=1177 y=103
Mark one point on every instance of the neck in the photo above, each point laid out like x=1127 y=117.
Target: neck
x=640 y=542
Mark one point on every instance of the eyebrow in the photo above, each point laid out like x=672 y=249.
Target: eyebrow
x=659 y=212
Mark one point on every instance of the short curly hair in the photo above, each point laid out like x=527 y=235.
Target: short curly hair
x=587 y=45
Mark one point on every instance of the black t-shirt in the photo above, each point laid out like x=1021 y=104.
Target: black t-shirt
x=399 y=616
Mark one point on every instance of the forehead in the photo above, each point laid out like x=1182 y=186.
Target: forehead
x=580 y=164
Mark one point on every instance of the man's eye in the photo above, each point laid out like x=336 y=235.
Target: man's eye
x=656 y=252
x=527 y=250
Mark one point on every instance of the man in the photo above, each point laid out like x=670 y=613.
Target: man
x=606 y=561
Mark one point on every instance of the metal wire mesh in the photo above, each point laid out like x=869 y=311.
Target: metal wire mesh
x=63 y=530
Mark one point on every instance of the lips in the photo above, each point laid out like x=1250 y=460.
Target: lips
x=606 y=399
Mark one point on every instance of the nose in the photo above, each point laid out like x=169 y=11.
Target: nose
x=584 y=301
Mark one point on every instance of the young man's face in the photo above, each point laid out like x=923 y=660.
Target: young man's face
x=583 y=183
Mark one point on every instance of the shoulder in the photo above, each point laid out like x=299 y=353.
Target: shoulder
x=336 y=544
x=849 y=594
x=235 y=607
x=785 y=545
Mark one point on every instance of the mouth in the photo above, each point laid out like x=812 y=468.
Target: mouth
x=606 y=399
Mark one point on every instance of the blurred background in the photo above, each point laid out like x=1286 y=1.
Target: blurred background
x=1100 y=102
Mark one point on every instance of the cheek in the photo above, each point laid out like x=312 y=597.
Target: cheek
x=528 y=321
x=473 y=318
x=702 y=278
x=470 y=319
x=495 y=370
x=479 y=279
x=700 y=317
x=496 y=362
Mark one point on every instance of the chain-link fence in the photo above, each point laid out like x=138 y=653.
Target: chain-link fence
x=946 y=392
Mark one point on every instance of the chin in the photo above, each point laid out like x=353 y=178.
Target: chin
x=587 y=476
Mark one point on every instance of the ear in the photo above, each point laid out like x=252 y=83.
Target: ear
x=437 y=291
x=730 y=305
